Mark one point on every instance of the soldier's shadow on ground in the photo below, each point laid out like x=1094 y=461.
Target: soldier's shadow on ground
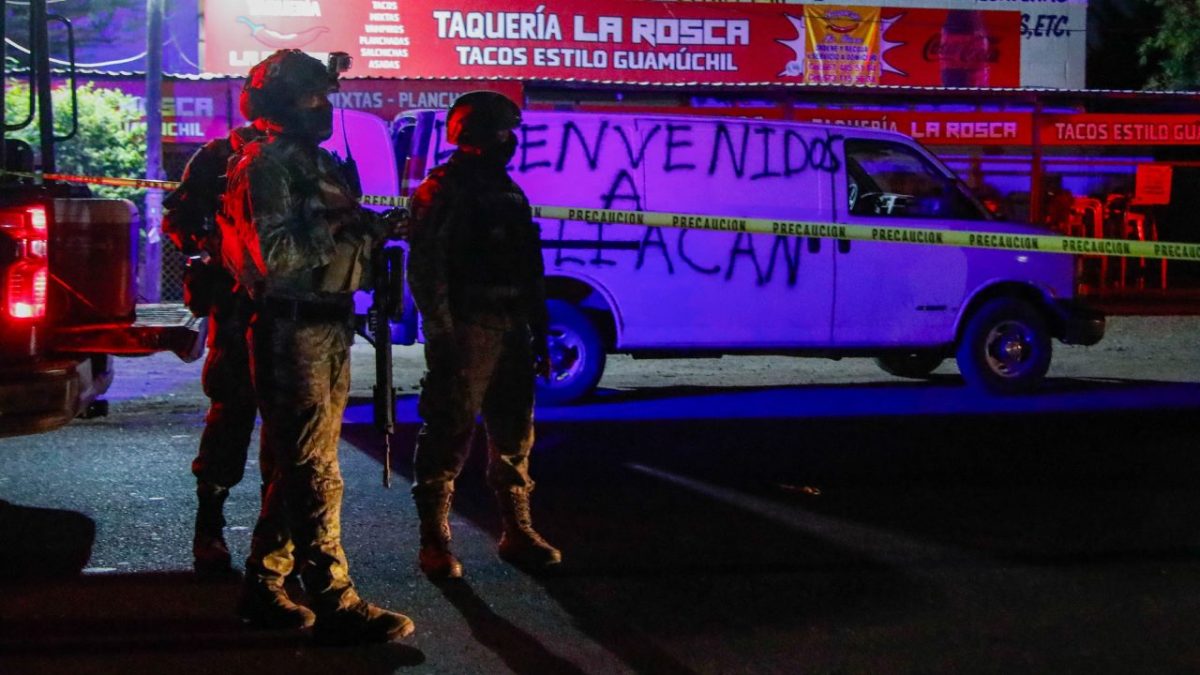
x=160 y=623
x=702 y=507
x=520 y=651
x=642 y=557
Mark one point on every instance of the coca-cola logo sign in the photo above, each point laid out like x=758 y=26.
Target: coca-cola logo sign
x=967 y=49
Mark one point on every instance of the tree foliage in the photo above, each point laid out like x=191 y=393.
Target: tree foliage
x=111 y=139
x=1173 y=52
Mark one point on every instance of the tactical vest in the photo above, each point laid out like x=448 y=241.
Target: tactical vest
x=492 y=240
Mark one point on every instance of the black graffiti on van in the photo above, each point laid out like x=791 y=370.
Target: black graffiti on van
x=667 y=251
x=725 y=147
x=786 y=152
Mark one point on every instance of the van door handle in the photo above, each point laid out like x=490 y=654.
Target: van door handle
x=814 y=245
x=843 y=246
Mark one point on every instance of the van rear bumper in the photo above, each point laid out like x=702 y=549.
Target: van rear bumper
x=1077 y=323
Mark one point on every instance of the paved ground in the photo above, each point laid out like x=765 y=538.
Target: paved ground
x=736 y=515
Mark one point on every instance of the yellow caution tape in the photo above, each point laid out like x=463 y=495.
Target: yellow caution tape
x=384 y=200
x=139 y=183
x=1031 y=243
x=1022 y=243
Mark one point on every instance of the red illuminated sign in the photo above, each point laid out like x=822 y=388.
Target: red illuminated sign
x=935 y=128
x=195 y=111
x=951 y=48
x=1104 y=129
x=1153 y=184
x=608 y=41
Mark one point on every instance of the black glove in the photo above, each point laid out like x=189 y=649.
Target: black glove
x=396 y=220
x=201 y=285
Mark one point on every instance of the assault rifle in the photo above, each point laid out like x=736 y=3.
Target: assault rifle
x=387 y=305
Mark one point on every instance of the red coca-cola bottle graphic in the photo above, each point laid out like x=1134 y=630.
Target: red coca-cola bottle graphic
x=964 y=54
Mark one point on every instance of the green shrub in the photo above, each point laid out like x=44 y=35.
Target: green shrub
x=111 y=139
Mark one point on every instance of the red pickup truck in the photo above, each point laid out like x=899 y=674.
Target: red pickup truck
x=68 y=276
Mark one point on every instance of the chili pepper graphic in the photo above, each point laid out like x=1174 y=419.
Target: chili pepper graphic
x=277 y=40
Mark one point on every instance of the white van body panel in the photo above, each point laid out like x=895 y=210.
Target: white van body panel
x=371 y=147
x=676 y=290
x=738 y=290
x=905 y=295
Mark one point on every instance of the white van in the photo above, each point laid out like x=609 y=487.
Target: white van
x=658 y=292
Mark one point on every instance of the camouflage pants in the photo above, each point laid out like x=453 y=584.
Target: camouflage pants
x=302 y=376
x=478 y=370
x=221 y=460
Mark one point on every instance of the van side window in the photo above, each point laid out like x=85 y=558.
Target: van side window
x=892 y=180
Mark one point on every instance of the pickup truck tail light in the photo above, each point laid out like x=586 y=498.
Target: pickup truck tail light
x=25 y=289
x=25 y=279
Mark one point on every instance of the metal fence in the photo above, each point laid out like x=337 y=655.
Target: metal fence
x=172 y=272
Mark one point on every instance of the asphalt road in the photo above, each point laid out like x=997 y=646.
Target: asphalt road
x=757 y=515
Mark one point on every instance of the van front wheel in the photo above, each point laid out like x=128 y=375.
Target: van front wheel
x=1005 y=347
x=576 y=356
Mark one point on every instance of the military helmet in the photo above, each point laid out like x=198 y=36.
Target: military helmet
x=476 y=117
x=246 y=105
x=278 y=81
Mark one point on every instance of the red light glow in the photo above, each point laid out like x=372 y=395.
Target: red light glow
x=26 y=289
x=37 y=218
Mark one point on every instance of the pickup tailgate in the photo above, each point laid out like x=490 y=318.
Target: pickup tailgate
x=156 y=328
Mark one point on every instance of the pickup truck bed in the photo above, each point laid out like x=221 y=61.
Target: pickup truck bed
x=42 y=393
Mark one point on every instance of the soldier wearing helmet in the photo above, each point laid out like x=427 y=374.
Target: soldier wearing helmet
x=189 y=220
x=296 y=239
x=476 y=273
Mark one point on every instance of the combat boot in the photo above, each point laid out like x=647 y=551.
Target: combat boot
x=435 y=558
x=520 y=544
x=210 y=553
x=267 y=606
x=354 y=621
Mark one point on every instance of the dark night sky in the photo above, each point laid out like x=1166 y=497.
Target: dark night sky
x=1115 y=30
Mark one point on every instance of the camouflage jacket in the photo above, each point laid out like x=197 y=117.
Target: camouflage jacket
x=475 y=252
x=291 y=226
x=189 y=212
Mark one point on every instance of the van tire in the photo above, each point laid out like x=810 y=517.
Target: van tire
x=576 y=355
x=1005 y=347
x=914 y=365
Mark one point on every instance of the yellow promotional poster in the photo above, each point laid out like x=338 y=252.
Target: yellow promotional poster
x=842 y=44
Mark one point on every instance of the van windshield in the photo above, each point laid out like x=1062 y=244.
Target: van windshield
x=403 y=130
x=893 y=180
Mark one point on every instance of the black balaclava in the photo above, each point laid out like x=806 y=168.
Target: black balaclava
x=313 y=123
x=501 y=153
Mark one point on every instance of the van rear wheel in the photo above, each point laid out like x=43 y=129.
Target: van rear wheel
x=915 y=365
x=1005 y=347
x=577 y=356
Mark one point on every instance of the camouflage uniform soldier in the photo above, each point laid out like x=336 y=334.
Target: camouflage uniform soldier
x=189 y=220
x=476 y=273
x=296 y=238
